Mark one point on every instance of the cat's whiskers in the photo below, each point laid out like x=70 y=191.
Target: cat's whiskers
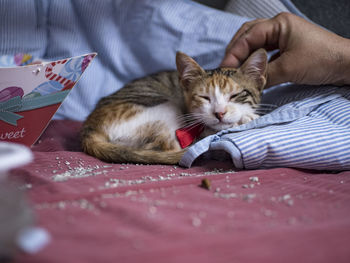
x=191 y=116
x=264 y=108
x=265 y=105
x=184 y=121
x=194 y=125
x=191 y=119
x=262 y=111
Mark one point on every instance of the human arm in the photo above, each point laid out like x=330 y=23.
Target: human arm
x=308 y=54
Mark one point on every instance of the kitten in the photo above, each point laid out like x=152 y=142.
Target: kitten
x=137 y=123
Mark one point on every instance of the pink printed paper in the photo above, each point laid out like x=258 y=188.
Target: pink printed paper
x=31 y=94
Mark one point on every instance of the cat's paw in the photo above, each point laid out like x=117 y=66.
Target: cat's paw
x=248 y=117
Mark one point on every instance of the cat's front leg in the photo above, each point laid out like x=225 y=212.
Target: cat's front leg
x=248 y=118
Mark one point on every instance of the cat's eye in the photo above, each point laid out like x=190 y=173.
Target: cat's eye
x=244 y=93
x=205 y=98
x=234 y=96
x=241 y=94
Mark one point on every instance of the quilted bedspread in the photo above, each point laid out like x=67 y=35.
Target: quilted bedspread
x=102 y=212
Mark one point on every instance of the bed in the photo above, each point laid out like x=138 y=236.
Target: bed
x=102 y=212
x=210 y=212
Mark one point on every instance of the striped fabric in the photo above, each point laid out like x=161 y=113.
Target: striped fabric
x=133 y=38
x=256 y=9
x=310 y=133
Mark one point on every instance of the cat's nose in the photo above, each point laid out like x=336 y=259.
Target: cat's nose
x=219 y=115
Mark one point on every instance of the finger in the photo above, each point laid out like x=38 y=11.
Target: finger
x=242 y=30
x=261 y=35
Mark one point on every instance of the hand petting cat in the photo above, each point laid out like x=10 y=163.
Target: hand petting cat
x=308 y=54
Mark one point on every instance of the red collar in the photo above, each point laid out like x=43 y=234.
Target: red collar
x=187 y=135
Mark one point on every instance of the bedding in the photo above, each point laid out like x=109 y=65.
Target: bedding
x=103 y=212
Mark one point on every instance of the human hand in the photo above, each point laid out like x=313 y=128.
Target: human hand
x=307 y=54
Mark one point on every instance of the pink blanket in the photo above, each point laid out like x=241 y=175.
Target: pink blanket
x=101 y=212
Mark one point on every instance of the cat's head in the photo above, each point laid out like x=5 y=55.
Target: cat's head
x=225 y=97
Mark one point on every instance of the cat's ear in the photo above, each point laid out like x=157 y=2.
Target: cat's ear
x=255 y=67
x=189 y=70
